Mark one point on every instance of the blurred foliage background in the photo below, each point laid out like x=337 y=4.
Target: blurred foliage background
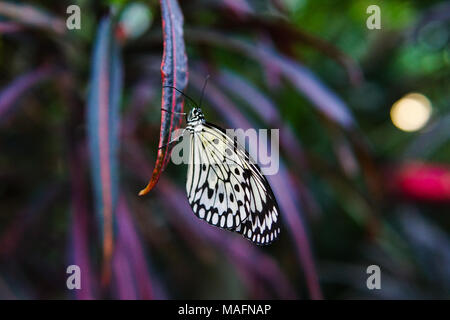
x=363 y=191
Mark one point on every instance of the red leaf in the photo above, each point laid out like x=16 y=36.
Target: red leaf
x=174 y=73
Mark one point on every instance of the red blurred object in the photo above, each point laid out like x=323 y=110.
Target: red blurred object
x=421 y=181
x=121 y=33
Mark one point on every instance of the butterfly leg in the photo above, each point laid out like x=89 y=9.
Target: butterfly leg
x=173 y=140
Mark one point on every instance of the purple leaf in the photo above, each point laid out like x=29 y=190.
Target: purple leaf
x=326 y=101
x=80 y=214
x=240 y=8
x=9 y=27
x=16 y=230
x=123 y=275
x=33 y=17
x=174 y=73
x=142 y=94
x=130 y=263
x=259 y=103
x=266 y=109
x=15 y=90
x=103 y=133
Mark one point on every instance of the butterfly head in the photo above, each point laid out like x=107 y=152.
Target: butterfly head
x=196 y=114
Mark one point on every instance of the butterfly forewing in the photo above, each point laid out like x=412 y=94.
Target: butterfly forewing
x=227 y=189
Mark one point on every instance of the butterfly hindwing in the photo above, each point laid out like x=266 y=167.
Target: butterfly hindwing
x=226 y=188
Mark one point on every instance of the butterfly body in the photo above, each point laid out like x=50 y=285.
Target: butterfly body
x=225 y=187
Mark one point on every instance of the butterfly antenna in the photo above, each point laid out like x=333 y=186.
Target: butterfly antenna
x=203 y=89
x=184 y=95
x=168 y=111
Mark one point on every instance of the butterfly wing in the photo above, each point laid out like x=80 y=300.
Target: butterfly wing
x=226 y=188
x=210 y=184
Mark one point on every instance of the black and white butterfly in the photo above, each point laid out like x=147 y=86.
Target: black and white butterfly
x=225 y=187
